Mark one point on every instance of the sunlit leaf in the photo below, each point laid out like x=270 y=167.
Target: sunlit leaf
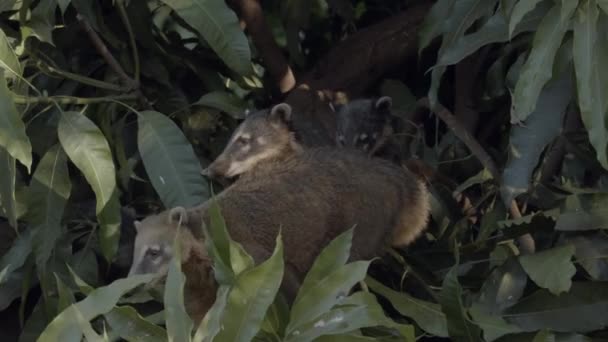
x=219 y=25
x=65 y=326
x=252 y=294
x=169 y=159
x=538 y=67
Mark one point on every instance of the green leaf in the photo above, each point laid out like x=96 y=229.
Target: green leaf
x=218 y=244
x=129 y=325
x=42 y=20
x=65 y=326
x=590 y=254
x=583 y=212
x=590 y=51
x=8 y=202
x=544 y=336
x=583 y=309
x=459 y=324
x=212 y=322
x=224 y=101
x=170 y=162
x=551 y=269
x=538 y=67
x=88 y=149
x=568 y=7
x=427 y=315
x=219 y=25
x=12 y=129
x=361 y=310
x=179 y=324
x=527 y=142
x=329 y=260
x=503 y=287
x=463 y=15
x=47 y=195
x=603 y=5
x=434 y=23
x=519 y=11
x=8 y=58
x=493 y=326
x=251 y=296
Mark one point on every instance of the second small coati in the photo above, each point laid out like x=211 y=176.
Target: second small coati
x=310 y=195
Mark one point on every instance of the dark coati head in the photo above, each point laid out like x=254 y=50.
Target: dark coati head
x=361 y=123
x=262 y=136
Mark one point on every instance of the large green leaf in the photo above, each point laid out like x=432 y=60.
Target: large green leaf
x=250 y=297
x=8 y=58
x=583 y=212
x=88 y=149
x=427 y=315
x=434 y=23
x=212 y=322
x=129 y=325
x=170 y=162
x=12 y=266
x=527 y=142
x=179 y=324
x=493 y=326
x=65 y=326
x=220 y=27
x=12 y=129
x=361 y=310
x=47 y=195
x=538 y=67
x=464 y=14
x=590 y=254
x=460 y=326
x=551 y=269
x=503 y=287
x=520 y=9
x=8 y=202
x=584 y=308
x=590 y=52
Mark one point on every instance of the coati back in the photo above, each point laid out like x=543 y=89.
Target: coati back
x=363 y=123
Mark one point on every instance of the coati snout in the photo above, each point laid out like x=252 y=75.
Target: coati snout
x=361 y=123
x=261 y=136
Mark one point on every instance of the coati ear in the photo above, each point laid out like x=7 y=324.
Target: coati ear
x=384 y=103
x=137 y=225
x=178 y=215
x=280 y=113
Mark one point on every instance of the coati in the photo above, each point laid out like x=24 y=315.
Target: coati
x=363 y=124
x=311 y=195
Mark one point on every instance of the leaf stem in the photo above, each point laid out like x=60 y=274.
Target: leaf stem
x=67 y=100
x=125 y=20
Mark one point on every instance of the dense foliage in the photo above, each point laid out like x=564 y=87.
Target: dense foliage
x=110 y=108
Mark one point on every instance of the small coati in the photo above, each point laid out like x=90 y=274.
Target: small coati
x=363 y=124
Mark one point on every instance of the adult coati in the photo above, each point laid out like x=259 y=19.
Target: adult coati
x=311 y=195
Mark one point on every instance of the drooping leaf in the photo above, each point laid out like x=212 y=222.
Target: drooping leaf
x=8 y=58
x=219 y=25
x=527 y=141
x=434 y=22
x=65 y=326
x=47 y=195
x=590 y=51
x=427 y=315
x=224 y=101
x=460 y=326
x=88 y=149
x=503 y=287
x=252 y=294
x=551 y=269
x=520 y=9
x=493 y=326
x=12 y=129
x=8 y=202
x=463 y=15
x=538 y=67
x=179 y=324
x=590 y=254
x=361 y=310
x=169 y=159
x=584 y=308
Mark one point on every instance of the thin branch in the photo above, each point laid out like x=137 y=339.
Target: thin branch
x=252 y=16
x=51 y=71
x=527 y=244
x=125 y=20
x=67 y=100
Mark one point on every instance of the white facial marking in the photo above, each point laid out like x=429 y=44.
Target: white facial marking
x=261 y=140
x=238 y=167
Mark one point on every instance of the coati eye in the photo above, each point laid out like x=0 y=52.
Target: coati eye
x=242 y=140
x=153 y=252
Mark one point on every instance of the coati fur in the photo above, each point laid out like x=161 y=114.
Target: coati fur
x=311 y=195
